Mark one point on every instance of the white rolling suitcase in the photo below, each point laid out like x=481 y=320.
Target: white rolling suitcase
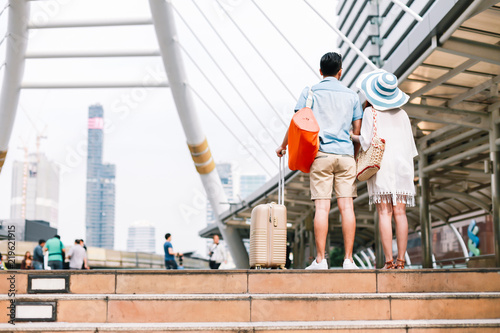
x=268 y=230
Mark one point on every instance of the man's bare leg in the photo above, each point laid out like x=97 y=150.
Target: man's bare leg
x=321 y=226
x=346 y=208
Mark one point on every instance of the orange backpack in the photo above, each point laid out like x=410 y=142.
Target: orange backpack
x=303 y=142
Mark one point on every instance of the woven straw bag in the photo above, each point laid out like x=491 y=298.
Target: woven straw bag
x=368 y=161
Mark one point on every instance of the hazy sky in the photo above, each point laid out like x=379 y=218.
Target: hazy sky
x=156 y=179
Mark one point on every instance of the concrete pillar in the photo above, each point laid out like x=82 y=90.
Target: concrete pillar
x=495 y=180
x=16 y=40
x=425 y=216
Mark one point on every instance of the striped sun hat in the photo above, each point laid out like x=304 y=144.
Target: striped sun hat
x=381 y=90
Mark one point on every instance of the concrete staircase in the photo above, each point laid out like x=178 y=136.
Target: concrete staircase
x=253 y=301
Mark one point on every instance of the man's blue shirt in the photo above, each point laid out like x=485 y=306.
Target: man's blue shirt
x=38 y=254
x=167 y=255
x=335 y=108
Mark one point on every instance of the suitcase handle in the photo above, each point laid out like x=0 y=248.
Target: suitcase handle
x=281 y=180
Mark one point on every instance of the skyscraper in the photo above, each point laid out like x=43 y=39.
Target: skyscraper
x=225 y=172
x=100 y=219
x=35 y=190
x=250 y=183
x=141 y=237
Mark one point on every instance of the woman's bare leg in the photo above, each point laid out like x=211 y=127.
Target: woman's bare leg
x=384 y=210
x=401 y=229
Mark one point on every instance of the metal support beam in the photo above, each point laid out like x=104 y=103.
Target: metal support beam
x=344 y=38
x=456 y=158
x=476 y=90
x=16 y=44
x=472 y=49
x=425 y=214
x=465 y=196
x=408 y=10
x=453 y=139
x=428 y=113
x=460 y=240
x=443 y=78
x=166 y=34
x=91 y=54
x=90 y=24
x=92 y=85
x=367 y=260
x=495 y=181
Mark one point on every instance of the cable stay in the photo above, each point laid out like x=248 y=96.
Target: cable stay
x=223 y=99
x=225 y=75
x=227 y=128
x=344 y=38
x=240 y=64
x=257 y=51
x=4 y=8
x=315 y=71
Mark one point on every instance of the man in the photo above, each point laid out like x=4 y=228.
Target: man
x=169 y=253
x=56 y=252
x=335 y=108
x=2 y=263
x=216 y=254
x=77 y=256
x=82 y=243
x=38 y=255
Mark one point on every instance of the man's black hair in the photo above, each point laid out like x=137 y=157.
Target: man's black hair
x=167 y=235
x=57 y=236
x=330 y=64
x=41 y=241
x=77 y=241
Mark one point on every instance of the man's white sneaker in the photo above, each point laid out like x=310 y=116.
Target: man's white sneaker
x=348 y=264
x=315 y=265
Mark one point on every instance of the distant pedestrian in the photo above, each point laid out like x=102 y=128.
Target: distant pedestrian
x=169 y=253
x=27 y=262
x=56 y=252
x=82 y=243
x=216 y=254
x=77 y=256
x=38 y=255
x=2 y=263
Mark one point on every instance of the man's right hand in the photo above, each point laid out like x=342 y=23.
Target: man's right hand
x=280 y=151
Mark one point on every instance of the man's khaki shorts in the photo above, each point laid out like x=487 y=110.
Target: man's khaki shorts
x=328 y=168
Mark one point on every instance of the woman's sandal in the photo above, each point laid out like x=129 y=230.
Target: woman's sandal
x=389 y=265
x=400 y=264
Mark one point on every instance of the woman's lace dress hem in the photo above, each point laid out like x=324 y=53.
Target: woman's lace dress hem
x=406 y=198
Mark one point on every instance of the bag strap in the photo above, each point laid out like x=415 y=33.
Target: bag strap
x=374 y=113
x=309 y=101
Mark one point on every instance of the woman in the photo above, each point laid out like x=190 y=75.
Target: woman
x=391 y=189
x=27 y=262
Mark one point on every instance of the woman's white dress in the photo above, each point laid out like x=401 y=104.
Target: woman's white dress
x=394 y=180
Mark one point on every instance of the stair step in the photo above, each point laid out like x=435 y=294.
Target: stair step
x=145 y=308
x=392 y=326
x=252 y=281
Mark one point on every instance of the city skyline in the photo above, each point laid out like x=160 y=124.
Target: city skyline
x=35 y=189
x=141 y=237
x=100 y=203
